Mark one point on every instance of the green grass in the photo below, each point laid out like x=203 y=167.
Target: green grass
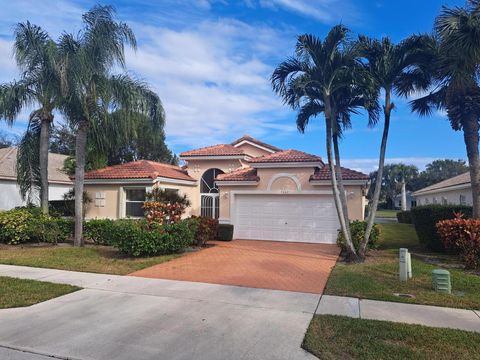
x=21 y=292
x=98 y=259
x=337 y=337
x=390 y=214
x=377 y=278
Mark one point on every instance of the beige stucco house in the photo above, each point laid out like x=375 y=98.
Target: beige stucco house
x=267 y=193
x=456 y=190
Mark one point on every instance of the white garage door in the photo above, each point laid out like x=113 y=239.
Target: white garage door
x=303 y=218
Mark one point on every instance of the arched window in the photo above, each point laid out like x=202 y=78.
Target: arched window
x=210 y=201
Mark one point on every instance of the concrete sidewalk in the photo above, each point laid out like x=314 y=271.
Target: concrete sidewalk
x=434 y=316
x=125 y=317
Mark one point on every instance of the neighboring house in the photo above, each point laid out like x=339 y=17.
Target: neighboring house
x=265 y=192
x=397 y=201
x=59 y=182
x=456 y=190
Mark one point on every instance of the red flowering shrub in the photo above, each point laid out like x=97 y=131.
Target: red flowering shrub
x=164 y=207
x=204 y=229
x=463 y=236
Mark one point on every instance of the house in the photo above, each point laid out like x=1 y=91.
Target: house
x=397 y=201
x=456 y=190
x=59 y=182
x=265 y=192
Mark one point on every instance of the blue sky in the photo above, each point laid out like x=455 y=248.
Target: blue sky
x=210 y=62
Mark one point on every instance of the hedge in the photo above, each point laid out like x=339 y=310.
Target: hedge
x=357 y=229
x=404 y=217
x=141 y=239
x=425 y=218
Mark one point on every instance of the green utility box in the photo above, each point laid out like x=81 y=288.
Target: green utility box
x=441 y=281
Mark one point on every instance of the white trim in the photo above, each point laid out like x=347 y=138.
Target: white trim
x=345 y=182
x=253 y=144
x=284 y=175
x=269 y=165
x=176 y=181
x=213 y=157
x=235 y=183
x=443 y=189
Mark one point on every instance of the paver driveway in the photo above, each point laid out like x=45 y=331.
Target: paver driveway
x=274 y=265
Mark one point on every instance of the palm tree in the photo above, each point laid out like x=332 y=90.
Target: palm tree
x=94 y=96
x=35 y=54
x=453 y=80
x=403 y=174
x=390 y=66
x=321 y=79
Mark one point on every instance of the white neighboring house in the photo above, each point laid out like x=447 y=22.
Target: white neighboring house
x=59 y=182
x=456 y=190
x=397 y=201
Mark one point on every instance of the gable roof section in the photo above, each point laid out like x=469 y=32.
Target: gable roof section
x=287 y=156
x=324 y=173
x=249 y=139
x=462 y=179
x=242 y=174
x=142 y=169
x=214 y=150
x=8 y=162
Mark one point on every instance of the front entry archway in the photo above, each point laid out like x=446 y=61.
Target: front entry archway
x=209 y=195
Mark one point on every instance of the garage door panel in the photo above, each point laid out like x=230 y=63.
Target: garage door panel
x=304 y=218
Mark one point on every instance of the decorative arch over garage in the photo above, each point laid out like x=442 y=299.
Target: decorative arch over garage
x=289 y=178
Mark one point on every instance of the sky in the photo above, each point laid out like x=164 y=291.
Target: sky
x=210 y=62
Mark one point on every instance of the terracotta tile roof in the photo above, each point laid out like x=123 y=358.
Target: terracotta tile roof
x=214 y=150
x=286 y=156
x=347 y=174
x=255 y=141
x=454 y=181
x=142 y=169
x=8 y=162
x=242 y=174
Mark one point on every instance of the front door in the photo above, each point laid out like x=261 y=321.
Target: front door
x=209 y=195
x=210 y=205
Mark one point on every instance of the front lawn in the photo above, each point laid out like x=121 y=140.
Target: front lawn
x=339 y=337
x=96 y=259
x=377 y=278
x=21 y=292
x=389 y=214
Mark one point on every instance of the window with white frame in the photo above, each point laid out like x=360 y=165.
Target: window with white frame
x=435 y=200
x=444 y=200
x=463 y=200
x=426 y=201
x=134 y=199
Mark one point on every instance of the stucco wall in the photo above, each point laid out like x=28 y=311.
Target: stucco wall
x=451 y=197
x=253 y=151
x=291 y=181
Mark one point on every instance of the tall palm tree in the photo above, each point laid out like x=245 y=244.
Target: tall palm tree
x=403 y=174
x=35 y=54
x=94 y=96
x=389 y=66
x=453 y=80
x=321 y=79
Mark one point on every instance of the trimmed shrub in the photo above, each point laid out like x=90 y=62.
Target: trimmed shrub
x=462 y=236
x=203 y=228
x=404 y=217
x=101 y=231
x=23 y=225
x=164 y=207
x=225 y=232
x=425 y=218
x=357 y=229
x=142 y=239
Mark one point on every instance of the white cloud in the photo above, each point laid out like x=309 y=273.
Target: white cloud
x=371 y=164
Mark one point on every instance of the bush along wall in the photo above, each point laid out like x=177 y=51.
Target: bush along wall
x=225 y=232
x=357 y=229
x=425 y=218
x=404 y=217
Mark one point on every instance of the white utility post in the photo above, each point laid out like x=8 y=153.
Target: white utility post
x=409 y=268
x=404 y=264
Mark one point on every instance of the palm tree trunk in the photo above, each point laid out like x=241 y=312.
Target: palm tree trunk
x=372 y=208
x=404 y=195
x=43 y=162
x=471 y=138
x=341 y=187
x=80 y=149
x=351 y=253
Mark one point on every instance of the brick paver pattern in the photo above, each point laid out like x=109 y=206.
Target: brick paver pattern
x=274 y=265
